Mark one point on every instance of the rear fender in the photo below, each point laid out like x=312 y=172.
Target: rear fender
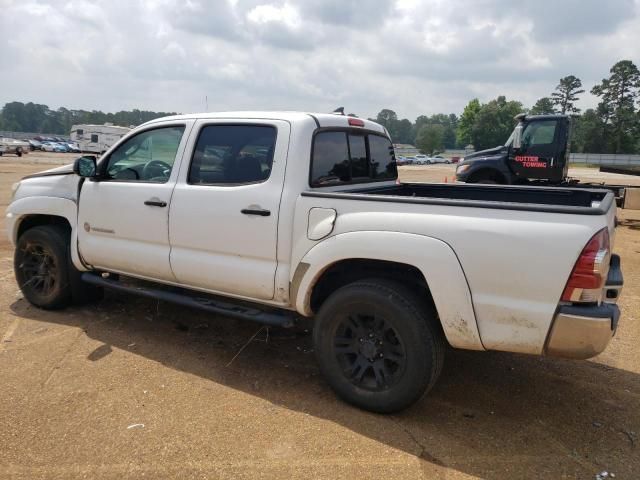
x=434 y=258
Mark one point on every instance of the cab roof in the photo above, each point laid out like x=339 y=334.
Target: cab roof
x=321 y=119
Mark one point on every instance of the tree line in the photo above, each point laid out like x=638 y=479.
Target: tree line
x=612 y=127
x=36 y=118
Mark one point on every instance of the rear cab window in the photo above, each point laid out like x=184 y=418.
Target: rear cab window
x=342 y=157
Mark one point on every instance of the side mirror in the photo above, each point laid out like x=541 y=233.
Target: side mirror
x=85 y=166
x=517 y=137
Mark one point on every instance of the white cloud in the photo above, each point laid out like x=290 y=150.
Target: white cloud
x=412 y=56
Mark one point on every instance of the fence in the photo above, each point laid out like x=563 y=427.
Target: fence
x=619 y=160
x=27 y=135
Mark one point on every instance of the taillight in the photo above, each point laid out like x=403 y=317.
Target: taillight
x=356 y=122
x=590 y=271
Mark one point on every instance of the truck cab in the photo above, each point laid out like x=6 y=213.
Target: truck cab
x=536 y=151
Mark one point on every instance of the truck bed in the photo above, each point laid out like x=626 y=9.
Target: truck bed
x=542 y=199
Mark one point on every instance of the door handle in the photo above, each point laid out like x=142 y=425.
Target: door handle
x=256 y=211
x=154 y=202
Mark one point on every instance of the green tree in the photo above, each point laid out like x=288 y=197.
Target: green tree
x=494 y=122
x=588 y=133
x=430 y=138
x=618 y=94
x=566 y=95
x=464 y=131
x=544 y=106
x=403 y=131
x=31 y=117
x=448 y=122
x=386 y=117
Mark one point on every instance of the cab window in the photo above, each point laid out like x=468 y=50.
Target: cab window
x=341 y=157
x=146 y=157
x=539 y=133
x=233 y=155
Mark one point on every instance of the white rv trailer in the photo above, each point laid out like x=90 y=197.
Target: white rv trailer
x=97 y=138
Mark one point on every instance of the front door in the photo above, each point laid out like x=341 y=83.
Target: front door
x=123 y=220
x=536 y=159
x=223 y=221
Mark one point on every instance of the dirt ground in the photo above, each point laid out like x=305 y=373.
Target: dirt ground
x=130 y=387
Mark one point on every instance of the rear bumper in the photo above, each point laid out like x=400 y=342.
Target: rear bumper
x=584 y=332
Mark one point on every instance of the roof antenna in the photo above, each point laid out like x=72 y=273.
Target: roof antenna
x=339 y=111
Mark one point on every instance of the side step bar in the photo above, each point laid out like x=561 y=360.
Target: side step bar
x=208 y=304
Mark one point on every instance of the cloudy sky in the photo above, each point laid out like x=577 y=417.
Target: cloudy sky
x=414 y=56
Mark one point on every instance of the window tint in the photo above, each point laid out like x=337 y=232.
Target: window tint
x=383 y=161
x=340 y=157
x=146 y=157
x=358 y=152
x=233 y=154
x=539 y=133
x=330 y=158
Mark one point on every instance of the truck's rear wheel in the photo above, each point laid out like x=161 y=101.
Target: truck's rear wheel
x=44 y=270
x=377 y=345
x=19 y=151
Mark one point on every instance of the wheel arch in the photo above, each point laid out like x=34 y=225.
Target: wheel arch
x=29 y=212
x=488 y=173
x=425 y=264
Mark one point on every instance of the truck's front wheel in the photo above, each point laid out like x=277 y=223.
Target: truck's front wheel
x=44 y=270
x=377 y=345
x=41 y=267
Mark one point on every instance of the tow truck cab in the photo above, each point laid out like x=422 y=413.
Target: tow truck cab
x=537 y=150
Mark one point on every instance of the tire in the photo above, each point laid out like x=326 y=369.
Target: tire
x=378 y=345
x=19 y=151
x=44 y=271
x=485 y=181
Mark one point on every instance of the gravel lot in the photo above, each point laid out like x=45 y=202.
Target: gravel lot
x=131 y=387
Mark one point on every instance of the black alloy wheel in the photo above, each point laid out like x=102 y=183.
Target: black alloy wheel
x=369 y=350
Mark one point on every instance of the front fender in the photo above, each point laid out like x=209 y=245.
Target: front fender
x=434 y=258
x=21 y=208
x=476 y=165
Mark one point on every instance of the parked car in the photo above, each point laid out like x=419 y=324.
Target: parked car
x=388 y=272
x=54 y=147
x=439 y=159
x=35 y=145
x=13 y=146
x=421 y=159
x=73 y=147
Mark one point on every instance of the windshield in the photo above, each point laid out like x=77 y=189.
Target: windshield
x=510 y=139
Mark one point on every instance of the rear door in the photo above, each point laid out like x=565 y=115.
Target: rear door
x=537 y=158
x=223 y=221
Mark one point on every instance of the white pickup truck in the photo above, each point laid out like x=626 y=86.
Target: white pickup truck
x=270 y=216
